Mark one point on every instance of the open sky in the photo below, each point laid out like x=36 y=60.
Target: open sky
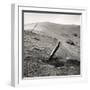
x=55 y=18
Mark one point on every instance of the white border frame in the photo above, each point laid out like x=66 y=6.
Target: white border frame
x=16 y=53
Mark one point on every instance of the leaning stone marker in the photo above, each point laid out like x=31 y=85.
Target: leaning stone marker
x=54 y=51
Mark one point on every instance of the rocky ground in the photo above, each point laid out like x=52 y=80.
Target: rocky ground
x=38 y=44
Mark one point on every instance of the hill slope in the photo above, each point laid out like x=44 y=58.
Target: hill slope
x=69 y=35
x=39 y=41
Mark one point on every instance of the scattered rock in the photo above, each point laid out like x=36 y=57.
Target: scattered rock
x=70 y=42
x=75 y=34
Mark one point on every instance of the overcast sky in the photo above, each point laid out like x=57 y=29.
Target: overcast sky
x=55 y=18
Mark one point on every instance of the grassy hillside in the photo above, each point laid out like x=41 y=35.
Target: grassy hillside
x=39 y=43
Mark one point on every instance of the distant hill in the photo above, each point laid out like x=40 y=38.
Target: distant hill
x=53 y=29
